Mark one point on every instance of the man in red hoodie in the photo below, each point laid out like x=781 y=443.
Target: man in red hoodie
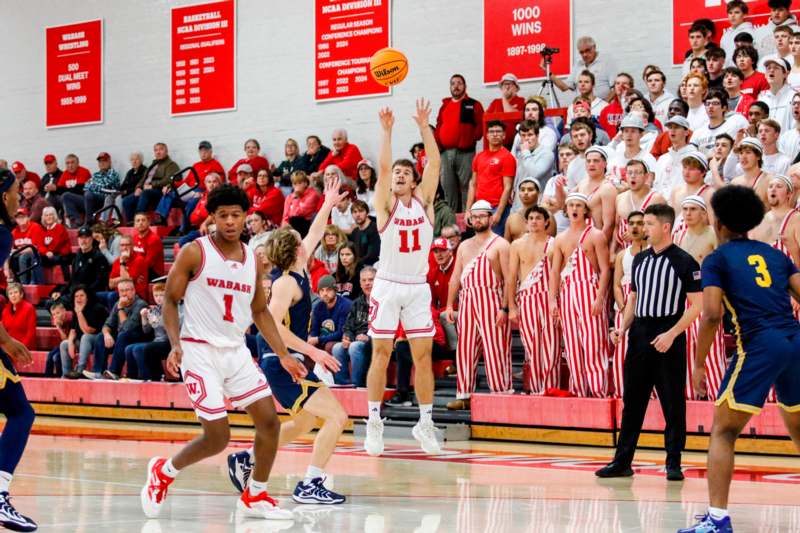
x=459 y=126
x=612 y=114
x=147 y=244
x=509 y=102
x=74 y=176
x=23 y=174
x=27 y=233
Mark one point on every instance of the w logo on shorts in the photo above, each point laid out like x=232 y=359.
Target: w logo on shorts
x=195 y=387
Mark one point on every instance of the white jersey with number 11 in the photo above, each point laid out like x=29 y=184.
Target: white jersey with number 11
x=406 y=242
x=218 y=297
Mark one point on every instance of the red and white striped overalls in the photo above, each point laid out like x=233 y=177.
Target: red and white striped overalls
x=622 y=228
x=585 y=336
x=679 y=225
x=716 y=362
x=622 y=344
x=480 y=301
x=537 y=329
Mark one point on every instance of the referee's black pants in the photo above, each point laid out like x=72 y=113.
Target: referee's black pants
x=645 y=368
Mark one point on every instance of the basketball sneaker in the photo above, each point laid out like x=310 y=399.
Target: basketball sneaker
x=707 y=524
x=373 y=443
x=240 y=466
x=154 y=491
x=261 y=506
x=10 y=517
x=315 y=492
x=425 y=433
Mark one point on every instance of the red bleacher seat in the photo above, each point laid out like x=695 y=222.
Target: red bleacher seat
x=36 y=293
x=53 y=276
x=47 y=338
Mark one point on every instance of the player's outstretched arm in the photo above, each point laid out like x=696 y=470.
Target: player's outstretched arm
x=283 y=292
x=383 y=185
x=186 y=265
x=332 y=197
x=267 y=327
x=430 y=174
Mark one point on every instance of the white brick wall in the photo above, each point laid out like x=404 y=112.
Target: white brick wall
x=275 y=73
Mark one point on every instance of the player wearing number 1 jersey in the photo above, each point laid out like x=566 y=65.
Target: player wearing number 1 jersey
x=401 y=295
x=219 y=281
x=754 y=281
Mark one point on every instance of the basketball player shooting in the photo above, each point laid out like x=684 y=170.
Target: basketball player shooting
x=219 y=280
x=404 y=209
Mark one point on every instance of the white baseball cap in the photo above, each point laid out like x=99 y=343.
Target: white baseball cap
x=482 y=205
x=510 y=77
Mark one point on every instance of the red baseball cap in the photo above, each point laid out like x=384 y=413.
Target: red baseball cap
x=440 y=244
x=103 y=155
x=17 y=166
x=49 y=158
x=22 y=211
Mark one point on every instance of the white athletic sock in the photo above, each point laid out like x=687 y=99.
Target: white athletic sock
x=717 y=513
x=169 y=470
x=5 y=481
x=313 y=472
x=257 y=487
x=374 y=410
x=425 y=412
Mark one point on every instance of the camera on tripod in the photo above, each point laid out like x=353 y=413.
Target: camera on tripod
x=548 y=53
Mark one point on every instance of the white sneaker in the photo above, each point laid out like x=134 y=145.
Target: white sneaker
x=425 y=433
x=261 y=506
x=154 y=492
x=373 y=443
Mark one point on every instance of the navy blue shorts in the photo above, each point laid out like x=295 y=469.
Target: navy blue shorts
x=8 y=374
x=292 y=396
x=768 y=358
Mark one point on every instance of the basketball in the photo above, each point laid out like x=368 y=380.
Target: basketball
x=388 y=66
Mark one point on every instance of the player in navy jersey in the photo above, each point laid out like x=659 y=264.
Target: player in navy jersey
x=754 y=282
x=14 y=404
x=307 y=399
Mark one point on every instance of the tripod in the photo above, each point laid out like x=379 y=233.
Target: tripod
x=548 y=85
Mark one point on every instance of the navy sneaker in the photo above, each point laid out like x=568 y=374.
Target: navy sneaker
x=240 y=466
x=315 y=492
x=708 y=525
x=11 y=519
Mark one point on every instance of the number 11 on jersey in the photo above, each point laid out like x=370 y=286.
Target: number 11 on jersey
x=415 y=247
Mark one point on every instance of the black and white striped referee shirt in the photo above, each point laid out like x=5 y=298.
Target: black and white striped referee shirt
x=661 y=281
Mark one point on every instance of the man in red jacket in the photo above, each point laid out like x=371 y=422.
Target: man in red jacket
x=147 y=244
x=27 y=233
x=459 y=126
x=439 y=280
x=24 y=174
x=612 y=114
x=74 y=176
x=129 y=265
x=343 y=154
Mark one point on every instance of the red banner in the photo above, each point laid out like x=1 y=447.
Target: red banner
x=74 y=79
x=684 y=12
x=348 y=33
x=203 y=62
x=516 y=31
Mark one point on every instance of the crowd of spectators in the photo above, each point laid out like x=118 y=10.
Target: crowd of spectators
x=736 y=110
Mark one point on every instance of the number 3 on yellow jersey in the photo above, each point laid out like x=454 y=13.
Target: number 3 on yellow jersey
x=763 y=279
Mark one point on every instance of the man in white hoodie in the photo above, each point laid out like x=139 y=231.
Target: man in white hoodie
x=658 y=97
x=789 y=142
x=780 y=15
x=737 y=12
x=779 y=95
x=669 y=167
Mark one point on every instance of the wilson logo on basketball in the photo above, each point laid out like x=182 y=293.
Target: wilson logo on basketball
x=382 y=73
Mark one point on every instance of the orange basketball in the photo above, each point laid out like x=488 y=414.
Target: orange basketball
x=388 y=66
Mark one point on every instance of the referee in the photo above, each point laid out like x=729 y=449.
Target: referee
x=662 y=278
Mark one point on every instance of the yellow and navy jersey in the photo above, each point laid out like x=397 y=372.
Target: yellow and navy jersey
x=298 y=317
x=754 y=277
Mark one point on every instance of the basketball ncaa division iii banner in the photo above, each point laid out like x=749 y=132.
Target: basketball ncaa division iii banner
x=203 y=63
x=515 y=32
x=74 y=74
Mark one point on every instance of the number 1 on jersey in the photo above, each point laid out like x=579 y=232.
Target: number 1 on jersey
x=415 y=247
x=228 y=299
